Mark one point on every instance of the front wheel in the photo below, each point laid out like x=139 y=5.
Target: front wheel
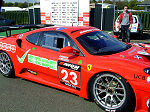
x=110 y=92
x=6 y=65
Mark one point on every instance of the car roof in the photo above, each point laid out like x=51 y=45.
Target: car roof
x=72 y=30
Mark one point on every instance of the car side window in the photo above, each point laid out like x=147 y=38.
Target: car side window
x=134 y=20
x=69 y=42
x=56 y=40
x=33 y=38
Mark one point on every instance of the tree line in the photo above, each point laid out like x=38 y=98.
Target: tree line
x=119 y=3
x=132 y=4
x=17 y=4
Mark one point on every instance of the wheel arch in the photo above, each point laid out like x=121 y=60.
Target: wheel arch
x=132 y=90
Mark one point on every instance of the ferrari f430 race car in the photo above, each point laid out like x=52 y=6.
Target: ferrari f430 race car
x=84 y=61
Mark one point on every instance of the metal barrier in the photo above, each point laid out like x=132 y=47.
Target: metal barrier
x=20 y=17
x=145 y=17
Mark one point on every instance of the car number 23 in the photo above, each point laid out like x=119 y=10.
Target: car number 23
x=69 y=76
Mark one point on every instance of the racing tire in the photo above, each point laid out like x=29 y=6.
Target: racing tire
x=111 y=92
x=6 y=65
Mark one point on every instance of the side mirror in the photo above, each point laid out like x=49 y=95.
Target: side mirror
x=69 y=49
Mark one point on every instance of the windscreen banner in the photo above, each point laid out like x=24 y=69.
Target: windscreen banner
x=65 y=12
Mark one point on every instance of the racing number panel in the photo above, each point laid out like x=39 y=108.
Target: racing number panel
x=69 y=74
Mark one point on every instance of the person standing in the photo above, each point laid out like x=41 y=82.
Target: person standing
x=125 y=20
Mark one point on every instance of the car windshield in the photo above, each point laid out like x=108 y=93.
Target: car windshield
x=100 y=43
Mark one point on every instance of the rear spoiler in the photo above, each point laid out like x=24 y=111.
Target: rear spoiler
x=17 y=27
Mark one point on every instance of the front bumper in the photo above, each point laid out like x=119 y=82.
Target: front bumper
x=142 y=94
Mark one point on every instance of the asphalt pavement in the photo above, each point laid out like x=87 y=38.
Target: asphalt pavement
x=144 y=39
x=19 y=95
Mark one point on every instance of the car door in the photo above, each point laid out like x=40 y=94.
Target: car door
x=54 y=66
x=134 y=24
x=70 y=67
x=42 y=58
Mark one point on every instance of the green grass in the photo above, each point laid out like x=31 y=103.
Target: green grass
x=3 y=34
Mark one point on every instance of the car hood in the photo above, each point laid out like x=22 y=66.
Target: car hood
x=135 y=53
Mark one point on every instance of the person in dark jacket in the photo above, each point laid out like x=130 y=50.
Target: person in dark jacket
x=125 y=20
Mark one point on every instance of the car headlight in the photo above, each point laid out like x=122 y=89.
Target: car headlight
x=147 y=70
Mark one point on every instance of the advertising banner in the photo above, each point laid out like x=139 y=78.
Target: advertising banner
x=65 y=12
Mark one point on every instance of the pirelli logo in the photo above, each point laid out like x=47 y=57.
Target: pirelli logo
x=69 y=66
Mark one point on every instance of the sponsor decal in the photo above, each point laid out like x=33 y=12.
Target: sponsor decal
x=148 y=79
x=122 y=56
x=20 y=36
x=7 y=47
x=137 y=57
x=33 y=48
x=89 y=67
x=148 y=46
x=69 y=74
x=42 y=62
x=89 y=30
x=61 y=28
x=63 y=58
x=38 y=61
x=134 y=28
x=143 y=52
x=72 y=86
x=139 y=77
x=137 y=44
x=80 y=62
x=132 y=50
x=70 y=66
x=21 y=60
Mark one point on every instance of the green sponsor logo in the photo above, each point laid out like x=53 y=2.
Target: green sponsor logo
x=42 y=62
x=33 y=48
x=21 y=60
x=80 y=62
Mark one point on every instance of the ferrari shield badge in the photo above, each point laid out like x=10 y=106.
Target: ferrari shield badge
x=89 y=67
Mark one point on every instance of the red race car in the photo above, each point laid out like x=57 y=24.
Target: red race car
x=84 y=61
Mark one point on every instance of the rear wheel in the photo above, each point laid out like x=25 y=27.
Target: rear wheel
x=6 y=65
x=110 y=92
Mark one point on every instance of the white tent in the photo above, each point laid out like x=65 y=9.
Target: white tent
x=4 y=9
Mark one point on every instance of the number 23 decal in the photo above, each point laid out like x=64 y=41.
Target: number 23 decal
x=73 y=80
x=69 y=76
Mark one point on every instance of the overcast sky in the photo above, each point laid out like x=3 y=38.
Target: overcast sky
x=21 y=0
